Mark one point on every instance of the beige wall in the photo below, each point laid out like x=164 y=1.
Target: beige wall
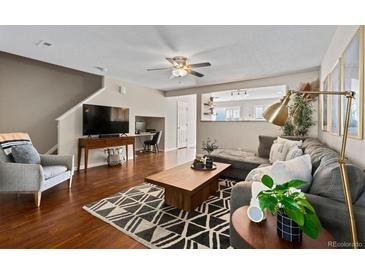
x=33 y=94
x=244 y=134
x=342 y=37
x=141 y=101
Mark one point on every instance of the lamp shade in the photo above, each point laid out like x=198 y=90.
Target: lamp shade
x=277 y=113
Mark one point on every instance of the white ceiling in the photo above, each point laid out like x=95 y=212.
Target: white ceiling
x=235 y=52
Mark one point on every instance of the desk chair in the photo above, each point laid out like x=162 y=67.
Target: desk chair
x=153 y=142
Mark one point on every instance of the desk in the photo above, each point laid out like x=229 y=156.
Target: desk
x=96 y=143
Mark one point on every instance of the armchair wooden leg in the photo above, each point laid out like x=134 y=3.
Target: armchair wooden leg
x=37 y=199
x=70 y=182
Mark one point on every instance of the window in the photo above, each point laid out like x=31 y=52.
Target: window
x=259 y=110
x=232 y=113
x=239 y=104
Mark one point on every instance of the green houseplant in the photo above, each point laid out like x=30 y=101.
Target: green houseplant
x=301 y=117
x=286 y=200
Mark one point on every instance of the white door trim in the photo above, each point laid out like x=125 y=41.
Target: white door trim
x=182 y=125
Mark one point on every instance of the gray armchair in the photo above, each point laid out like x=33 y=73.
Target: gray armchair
x=33 y=178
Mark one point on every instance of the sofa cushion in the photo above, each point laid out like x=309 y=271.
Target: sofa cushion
x=317 y=154
x=293 y=152
x=299 y=168
x=325 y=161
x=52 y=171
x=278 y=152
x=256 y=174
x=4 y=157
x=290 y=143
x=310 y=141
x=25 y=154
x=311 y=147
x=361 y=200
x=327 y=181
x=265 y=143
x=238 y=155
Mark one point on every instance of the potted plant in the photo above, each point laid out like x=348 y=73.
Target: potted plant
x=294 y=213
x=301 y=113
x=209 y=146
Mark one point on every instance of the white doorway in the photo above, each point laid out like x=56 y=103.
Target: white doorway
x=182 y=124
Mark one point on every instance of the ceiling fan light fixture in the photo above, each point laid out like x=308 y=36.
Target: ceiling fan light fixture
x=179 y=72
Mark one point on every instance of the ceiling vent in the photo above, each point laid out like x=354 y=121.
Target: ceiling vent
x=43 y=43
x=102 y=69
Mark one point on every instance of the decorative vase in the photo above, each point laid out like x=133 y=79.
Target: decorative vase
x=287 y=229
x=208 y=162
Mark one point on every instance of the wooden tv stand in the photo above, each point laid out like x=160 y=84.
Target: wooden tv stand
x=89 y=143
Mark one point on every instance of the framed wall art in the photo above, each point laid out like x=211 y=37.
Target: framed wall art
x=353 y=79
x=324 y=105
x=335 y=101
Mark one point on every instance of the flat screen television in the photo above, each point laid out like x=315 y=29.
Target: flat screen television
x=103 y=120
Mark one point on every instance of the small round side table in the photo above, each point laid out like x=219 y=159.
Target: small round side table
x=264 y=235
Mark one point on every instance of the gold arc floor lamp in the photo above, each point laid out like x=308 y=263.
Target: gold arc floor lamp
x=277 y=114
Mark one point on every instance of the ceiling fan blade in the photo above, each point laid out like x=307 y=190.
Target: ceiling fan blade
x=172 y=61
x=200 y=65
x=151 y=69
x=195 y=73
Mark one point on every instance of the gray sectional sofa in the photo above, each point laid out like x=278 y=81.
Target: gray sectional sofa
x=242 y=162
x=325 y=194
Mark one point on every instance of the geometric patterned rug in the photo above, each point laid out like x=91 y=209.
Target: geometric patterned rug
x=141 y=213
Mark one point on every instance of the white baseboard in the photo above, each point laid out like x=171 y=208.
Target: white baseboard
x=169 y=149
x=92 y=165
x=95 y=164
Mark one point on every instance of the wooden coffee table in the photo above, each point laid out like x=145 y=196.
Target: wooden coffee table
x=263 y=235
x=186 y=188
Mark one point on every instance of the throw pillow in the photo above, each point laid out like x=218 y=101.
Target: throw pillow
x=278 y=152
x=256 y=174
x=327 y=182
x=265 y=143
x=298 y=168
x=293 y=152
x=25 y=154
x=290 y=143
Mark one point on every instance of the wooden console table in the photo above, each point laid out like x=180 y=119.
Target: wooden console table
x=96 y=143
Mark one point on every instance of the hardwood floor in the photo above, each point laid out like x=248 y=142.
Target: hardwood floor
x=61 y=222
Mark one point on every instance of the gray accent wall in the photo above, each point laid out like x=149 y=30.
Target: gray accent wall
x=33 y=94
x=244 y=134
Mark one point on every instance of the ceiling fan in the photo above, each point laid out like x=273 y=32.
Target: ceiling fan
x=180 y=67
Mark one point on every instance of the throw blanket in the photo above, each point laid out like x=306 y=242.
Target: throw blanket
x=8 y=140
